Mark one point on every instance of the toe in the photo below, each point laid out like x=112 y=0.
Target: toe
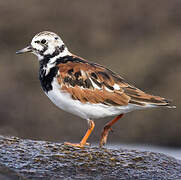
x=79 y=145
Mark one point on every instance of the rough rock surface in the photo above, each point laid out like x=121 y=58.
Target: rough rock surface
x=29 y=159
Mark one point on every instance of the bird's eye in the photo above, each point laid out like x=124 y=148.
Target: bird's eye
x=37 y=41
x=43 y=41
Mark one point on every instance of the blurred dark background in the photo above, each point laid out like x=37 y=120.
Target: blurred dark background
x=140 y=39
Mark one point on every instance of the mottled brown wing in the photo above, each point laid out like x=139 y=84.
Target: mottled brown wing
x=90 y=82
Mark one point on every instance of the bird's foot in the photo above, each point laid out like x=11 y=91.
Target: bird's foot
x=106 y=130
x=83 y=142
x=79 y=145
x=104 y=135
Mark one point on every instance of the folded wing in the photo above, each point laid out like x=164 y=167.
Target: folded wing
x=90 y=82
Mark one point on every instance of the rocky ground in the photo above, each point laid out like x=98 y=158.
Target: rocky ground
x=29 y=159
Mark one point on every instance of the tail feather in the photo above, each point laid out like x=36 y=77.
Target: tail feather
x=145 y=99
x=167 y=103
x=141 y=98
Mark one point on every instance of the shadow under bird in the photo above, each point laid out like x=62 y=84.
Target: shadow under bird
x=84 y=88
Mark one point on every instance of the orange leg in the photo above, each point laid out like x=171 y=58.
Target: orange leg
x=83 y=142
x=106 y=130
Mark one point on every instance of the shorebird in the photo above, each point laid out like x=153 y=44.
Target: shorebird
x=83 y=88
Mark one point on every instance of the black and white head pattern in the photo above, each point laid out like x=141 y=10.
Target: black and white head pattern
x=48 y=44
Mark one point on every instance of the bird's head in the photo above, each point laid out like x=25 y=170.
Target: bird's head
x=46 y=43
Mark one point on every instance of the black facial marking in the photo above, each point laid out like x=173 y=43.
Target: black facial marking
x=62 y=48
x=94 y=75
x=45 y=47
x=46 y=58
x=43 y=41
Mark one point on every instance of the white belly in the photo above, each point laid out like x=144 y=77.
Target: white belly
x=85 y=110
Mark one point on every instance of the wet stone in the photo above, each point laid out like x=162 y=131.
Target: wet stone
x=29 y=159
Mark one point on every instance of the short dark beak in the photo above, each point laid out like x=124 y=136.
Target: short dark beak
x=25 y=50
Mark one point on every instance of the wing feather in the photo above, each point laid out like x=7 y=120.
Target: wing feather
x=90 y=82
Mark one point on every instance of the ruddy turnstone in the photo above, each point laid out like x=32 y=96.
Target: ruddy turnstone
x=84 y=88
